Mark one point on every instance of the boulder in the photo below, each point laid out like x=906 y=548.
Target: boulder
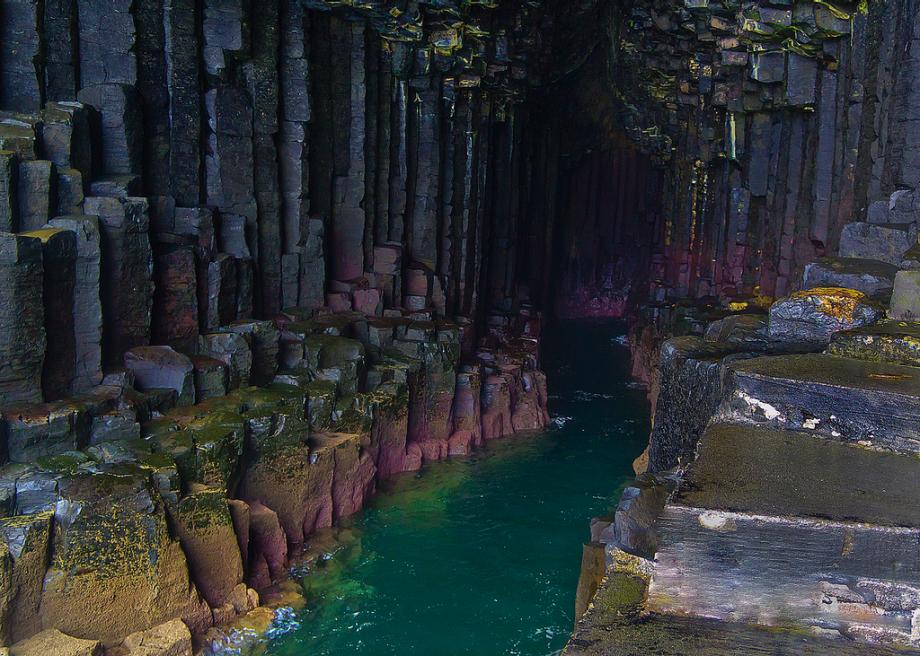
x=168 y=639
x=814 y=315
x=52 y=641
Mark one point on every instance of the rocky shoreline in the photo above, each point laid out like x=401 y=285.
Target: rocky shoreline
x=775 y=510
x=209 y=502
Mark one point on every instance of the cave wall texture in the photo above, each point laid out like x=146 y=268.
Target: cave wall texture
x=364 y=209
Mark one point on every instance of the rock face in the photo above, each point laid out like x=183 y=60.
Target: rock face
x=815 y=314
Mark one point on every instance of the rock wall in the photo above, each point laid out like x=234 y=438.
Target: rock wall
x=769 y=127
x=255 y=257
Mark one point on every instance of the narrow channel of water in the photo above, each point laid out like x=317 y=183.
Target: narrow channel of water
x=481 y=555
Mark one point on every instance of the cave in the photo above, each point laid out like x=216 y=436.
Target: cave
x=260 y=259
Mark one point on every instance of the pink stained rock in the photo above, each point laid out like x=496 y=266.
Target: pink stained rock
x=367 y=301
x=466 y=411
x=433 y=450
x=496 y=407
x=339 y=301
x=268 y=546
x=388 y=434
x=354 y=479
x=527 y=412
x=460 y=443
x=413 y=457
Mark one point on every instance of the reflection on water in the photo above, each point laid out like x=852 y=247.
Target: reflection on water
x=480 y=555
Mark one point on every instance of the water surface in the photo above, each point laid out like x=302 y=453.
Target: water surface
x=481 y=555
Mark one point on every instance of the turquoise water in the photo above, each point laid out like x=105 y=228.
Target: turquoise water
x=481 y=555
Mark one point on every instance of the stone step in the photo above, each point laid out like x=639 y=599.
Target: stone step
x=844 y=399
x=896 y=342
x=885 y=242
x=779 y=528
x=871 y=277
x=616 y=626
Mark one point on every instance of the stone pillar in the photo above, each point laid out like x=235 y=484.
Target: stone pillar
x=22 y=319
x=36 y=194
x=87 y=306
x=180 y=21
x=107 y=42
x=21 y=73
x=9 y=170
x=175 y=300
x=127 y=274
x=59 y=255
x=122 y=126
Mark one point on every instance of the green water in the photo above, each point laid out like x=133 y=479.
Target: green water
x=481 y=555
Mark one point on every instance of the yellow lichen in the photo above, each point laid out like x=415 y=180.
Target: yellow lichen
x=837 y=302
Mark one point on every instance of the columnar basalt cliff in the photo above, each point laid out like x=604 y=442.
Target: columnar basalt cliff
x=255 y=257
x=778 y=334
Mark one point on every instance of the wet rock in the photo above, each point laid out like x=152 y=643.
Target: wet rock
x=70 y=194
x=159 y=367
x=9 y=208
x=268 y=547
x=640 y=505
x=67 y=136
x=175 y=299
x=107 y=43
x=814 y=315
x=263 y=339
x=837 y=398
x=887 y=341
x=496 y=407
x=219 y=306
x=337 y=359
x=690 y=390
x=466 y=411
x=52 y=641
x=168 y=639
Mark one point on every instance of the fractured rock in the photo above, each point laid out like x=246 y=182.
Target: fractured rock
x=814 y=315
